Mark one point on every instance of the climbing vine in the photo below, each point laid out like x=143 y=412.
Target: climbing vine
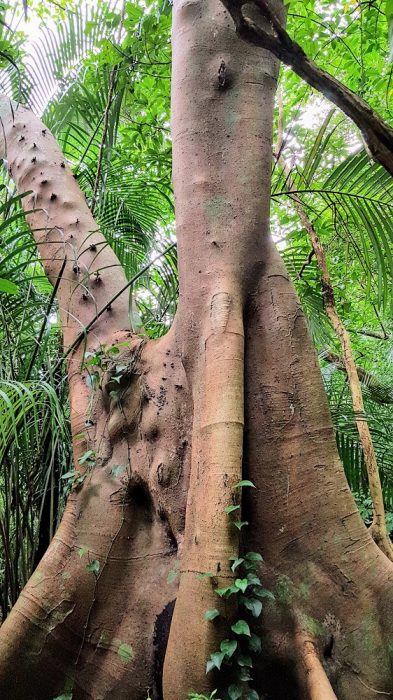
x=235 y=657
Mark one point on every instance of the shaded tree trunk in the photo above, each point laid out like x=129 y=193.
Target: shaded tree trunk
x=234 y=389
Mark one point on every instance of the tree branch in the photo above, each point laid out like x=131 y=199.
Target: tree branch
x=63 y=226
x=377 y=134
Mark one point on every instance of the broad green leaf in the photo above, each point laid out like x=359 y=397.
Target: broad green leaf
x=254 y=605
x=118 y=469
x=215 y=661
x=253 y=556
x=228 y=647
x=241 y=584
x=236 y=563
x=89 y=455
x=211 y=614
x=231 y=509
x=234 y=692
x=126 y=653
x=93 y=566
x=244 y=660
x=240 y=524
x=70 y=475
x=254 y=643
x=8 y=287
x=241 y=627
x=226 y=591
x=244 y=482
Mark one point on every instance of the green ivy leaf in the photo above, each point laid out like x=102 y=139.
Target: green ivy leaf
x=239 y=524
x=253 y=580
x=87 y=456
x=126 y=653
x=234 y=692
x=94 y=566
x=252 y=694
x=241 y=584
x=231 y=509
x=236 y=562
x=228 y=647
x=226 y=592
x=215 y=661
x=118 y=469
x=254 y=605
x=264 y=593
x=70 y=475
x=253 y=556
x=82 y=551
x=241 y=627
x=244 y=482
x=244 y=660
x=211 y=614
x=254 y=643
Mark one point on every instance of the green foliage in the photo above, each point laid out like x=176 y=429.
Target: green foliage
x=234 y=658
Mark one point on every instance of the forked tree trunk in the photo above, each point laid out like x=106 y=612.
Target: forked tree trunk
x=233 y=389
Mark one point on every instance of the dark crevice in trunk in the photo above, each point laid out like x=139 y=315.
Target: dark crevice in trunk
x=160 y=641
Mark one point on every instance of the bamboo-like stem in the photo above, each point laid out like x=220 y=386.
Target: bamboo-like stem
x=378 y=527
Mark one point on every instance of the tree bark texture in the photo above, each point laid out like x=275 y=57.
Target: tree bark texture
x=233 y=390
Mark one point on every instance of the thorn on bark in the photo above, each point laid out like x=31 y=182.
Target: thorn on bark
x=93 y=248
x=53 y=196
x=34 y=160
x=44 y=182
x=109 y=307
x=222 y=75
x=43 y=132
x=34 y=145
x=84 y=296
x=76 y=269
x=62 y=164
x=22 y=138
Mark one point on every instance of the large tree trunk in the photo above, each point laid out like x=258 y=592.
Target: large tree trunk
x=233 y=389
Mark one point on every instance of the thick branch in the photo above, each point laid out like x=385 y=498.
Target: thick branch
x=62 y=225
x=377 y=133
